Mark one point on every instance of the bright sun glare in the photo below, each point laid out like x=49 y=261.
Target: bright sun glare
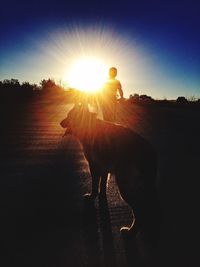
x=87 y=74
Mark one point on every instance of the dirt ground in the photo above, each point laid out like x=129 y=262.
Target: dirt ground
x=44 y=221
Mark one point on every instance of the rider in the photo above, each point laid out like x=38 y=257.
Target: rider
x=109 y=95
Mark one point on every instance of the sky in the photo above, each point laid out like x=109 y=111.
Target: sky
x=155 y=45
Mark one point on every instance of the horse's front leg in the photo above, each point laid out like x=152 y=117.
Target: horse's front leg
x=95 y=175
x=103 y=184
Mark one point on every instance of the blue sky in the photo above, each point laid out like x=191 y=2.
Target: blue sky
x=157 y=43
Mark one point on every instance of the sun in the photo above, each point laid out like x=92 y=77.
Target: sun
x=87 y=74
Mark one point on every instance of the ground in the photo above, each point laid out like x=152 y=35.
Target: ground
x=44 y=176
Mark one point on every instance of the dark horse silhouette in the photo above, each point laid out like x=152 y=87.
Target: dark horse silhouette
x=115 y=149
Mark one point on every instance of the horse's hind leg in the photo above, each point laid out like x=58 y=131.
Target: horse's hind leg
x=143 y=200
x=127 y=181
x=146 y=210
x=135 y=227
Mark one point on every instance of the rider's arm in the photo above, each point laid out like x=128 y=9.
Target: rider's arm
x=120 y=90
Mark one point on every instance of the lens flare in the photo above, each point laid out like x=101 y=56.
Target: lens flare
x=87 y=74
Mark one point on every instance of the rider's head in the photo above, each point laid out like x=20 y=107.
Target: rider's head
x=113 y=72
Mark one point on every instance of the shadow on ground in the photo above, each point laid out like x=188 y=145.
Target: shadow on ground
x=44 y=221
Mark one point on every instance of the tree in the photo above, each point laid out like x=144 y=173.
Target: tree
x=146 y=98
x=181 y=100
x=49 y=86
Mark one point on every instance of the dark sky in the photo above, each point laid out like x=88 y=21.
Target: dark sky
x=170 y=26
x=184 y=13
x=153 y=12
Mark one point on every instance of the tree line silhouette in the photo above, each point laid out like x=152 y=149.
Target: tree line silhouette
x=12 y=89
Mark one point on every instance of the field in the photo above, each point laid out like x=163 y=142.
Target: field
x=43 y=178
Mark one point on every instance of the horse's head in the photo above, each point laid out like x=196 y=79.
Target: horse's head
x=79 y=121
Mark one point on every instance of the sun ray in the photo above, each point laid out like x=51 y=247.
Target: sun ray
x=101 y=43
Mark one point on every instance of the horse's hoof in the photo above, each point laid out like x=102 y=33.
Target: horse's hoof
x=88 y=198
x=127 y=232
x=125 y=229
